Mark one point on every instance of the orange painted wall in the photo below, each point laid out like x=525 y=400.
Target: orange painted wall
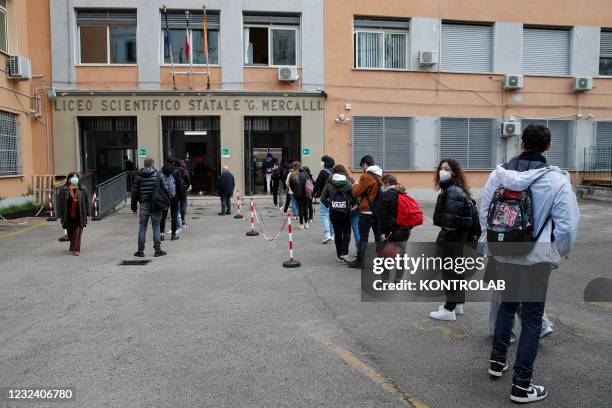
x=107 y=77
x=266 y=78
x=182 y=81
x=28 y=25
x=398 y=93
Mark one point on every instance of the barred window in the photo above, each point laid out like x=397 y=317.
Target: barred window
x=561 y=141
x=386 y=139
x=381 y=43
x=469 y=141
x=10 y=147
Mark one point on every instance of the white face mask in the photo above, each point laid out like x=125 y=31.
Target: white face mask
x=445 y=175
x=74 y=180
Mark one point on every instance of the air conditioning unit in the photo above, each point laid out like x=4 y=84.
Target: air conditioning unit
x=513 y=82
x=288 y=74
x=509 y=129
x=428 y=57
x=582 y=84
x=19 y=68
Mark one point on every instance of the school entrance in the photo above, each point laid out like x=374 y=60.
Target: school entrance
x=263 y=135
x=195 y=139
x=108 y=146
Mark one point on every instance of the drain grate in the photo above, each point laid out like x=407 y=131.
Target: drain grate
x=135 y=262
x=195 y=218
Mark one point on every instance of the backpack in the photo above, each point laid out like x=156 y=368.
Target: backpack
x=340 y=202
x=160 y=199
x=169 y=184
x=409 y=212
x=475 y=229
x=510 y=220
x=309 y=188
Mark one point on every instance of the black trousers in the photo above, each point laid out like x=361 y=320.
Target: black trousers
x=302 y=203
x=342 y=232
x=174 y=211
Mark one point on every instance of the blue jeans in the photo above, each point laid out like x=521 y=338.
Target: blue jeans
x=531 y=276
x=183 y=207
x=367 y=222
x=495 y=302
x=145 y=214
x=295 y=210
x=326 y=226
x=355 y=227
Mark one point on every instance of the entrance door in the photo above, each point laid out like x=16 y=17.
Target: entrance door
x=263 y=135
x=195 y=139
x=108 y=146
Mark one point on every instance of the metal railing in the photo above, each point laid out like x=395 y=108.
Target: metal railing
x=597 y=166
x=110 y=194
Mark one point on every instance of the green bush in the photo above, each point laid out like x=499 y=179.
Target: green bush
x=17 y=208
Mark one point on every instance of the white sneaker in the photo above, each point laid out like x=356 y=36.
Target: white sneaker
x=344 y=259
x=459 y=309
x=169 y=231
x=326 y=239
x=178 y=231
x=546 y=331
x=443 y=314
x=306 y=225
x=301 y=226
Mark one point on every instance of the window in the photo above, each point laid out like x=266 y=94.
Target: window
x=387 y=139
x=466 y=47
x=3 y=27
x=605 y=53
x=603 y=136
x=469 y=141
x=177 y=23
x=561 y=141
x=271 y=39
x=546 y=51
x=10 y=153
x=381 y=43
x=107 y=36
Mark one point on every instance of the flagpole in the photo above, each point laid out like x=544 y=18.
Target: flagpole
x=169 y=39
x=190 y=51
x=205 y=46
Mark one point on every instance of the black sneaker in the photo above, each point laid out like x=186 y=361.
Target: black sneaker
x=221 y=213
x=174 y=238
x=497 y=368
x=139 y=254
x=159 y=253
x=524 y=392
x=161 y=237
x=355 y=264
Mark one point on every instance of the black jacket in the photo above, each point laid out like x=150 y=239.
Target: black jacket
x=143 y=186
x=387 y=216
x=527 y=160
x=453 y=213
x=225 y=186
x=170 y=169
x=298 y=186
x=319 y=184
x=186 y=179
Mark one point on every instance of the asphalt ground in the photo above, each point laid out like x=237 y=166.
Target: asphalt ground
x=218 y=322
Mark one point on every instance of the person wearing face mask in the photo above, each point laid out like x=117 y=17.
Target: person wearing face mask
x=327 y=165
x=453 y=214
x=74 y=206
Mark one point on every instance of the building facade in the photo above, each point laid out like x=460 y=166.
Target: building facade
x=409 y=113
x=26 y=140
x=127 y=87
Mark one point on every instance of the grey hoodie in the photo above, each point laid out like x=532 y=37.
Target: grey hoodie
x=552 y=194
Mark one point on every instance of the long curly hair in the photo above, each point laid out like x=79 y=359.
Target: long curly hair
x=458 y=177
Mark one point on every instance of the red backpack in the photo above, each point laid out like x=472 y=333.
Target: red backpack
x=409 y=212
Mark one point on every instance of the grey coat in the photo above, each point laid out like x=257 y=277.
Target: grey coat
x=84 y=202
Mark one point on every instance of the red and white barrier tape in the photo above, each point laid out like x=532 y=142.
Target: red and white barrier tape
x=261 y=228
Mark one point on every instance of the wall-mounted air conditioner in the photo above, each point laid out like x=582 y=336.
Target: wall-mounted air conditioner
x=19 y=68
x=513 y=82
x=428 y=58
x=509 y=129
x=581 y=84
x=288 y=74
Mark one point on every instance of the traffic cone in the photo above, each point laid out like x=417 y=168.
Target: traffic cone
x=252 y=232
x=239 y=205
x=291 y=262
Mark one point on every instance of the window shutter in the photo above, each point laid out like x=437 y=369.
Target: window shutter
x=103 y=17
x=546 y=51
x=367 y=138
x=467 y=48
x=286 y=19
x=177 y=20
x=397 y=143
x=381 y=23
x=605 y=45
x=454 y=140
x=480 y=149
x=603 y=136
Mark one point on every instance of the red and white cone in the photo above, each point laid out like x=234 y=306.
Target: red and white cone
x=252 y=232
x=52 y=216
x=291 y=262
x=239 y=205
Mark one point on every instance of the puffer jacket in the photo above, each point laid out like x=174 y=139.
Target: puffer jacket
x=144 y=184
x=368 y=188
x=453 y=213
x=387 y=216
x=335 y=184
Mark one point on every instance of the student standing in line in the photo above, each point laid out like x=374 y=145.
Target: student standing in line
x=309 y=207
x=552 y=232
x=171 y=178
x=338 y=199
x=225 y=189
x=186 y=186
x=275 y=178
x=297 y=186
x=73 y=207
x=367 y=191
x=267 y=168
x=453 y=214
x=327 y=165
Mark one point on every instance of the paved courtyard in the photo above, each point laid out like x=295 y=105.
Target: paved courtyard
x=220 y=323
